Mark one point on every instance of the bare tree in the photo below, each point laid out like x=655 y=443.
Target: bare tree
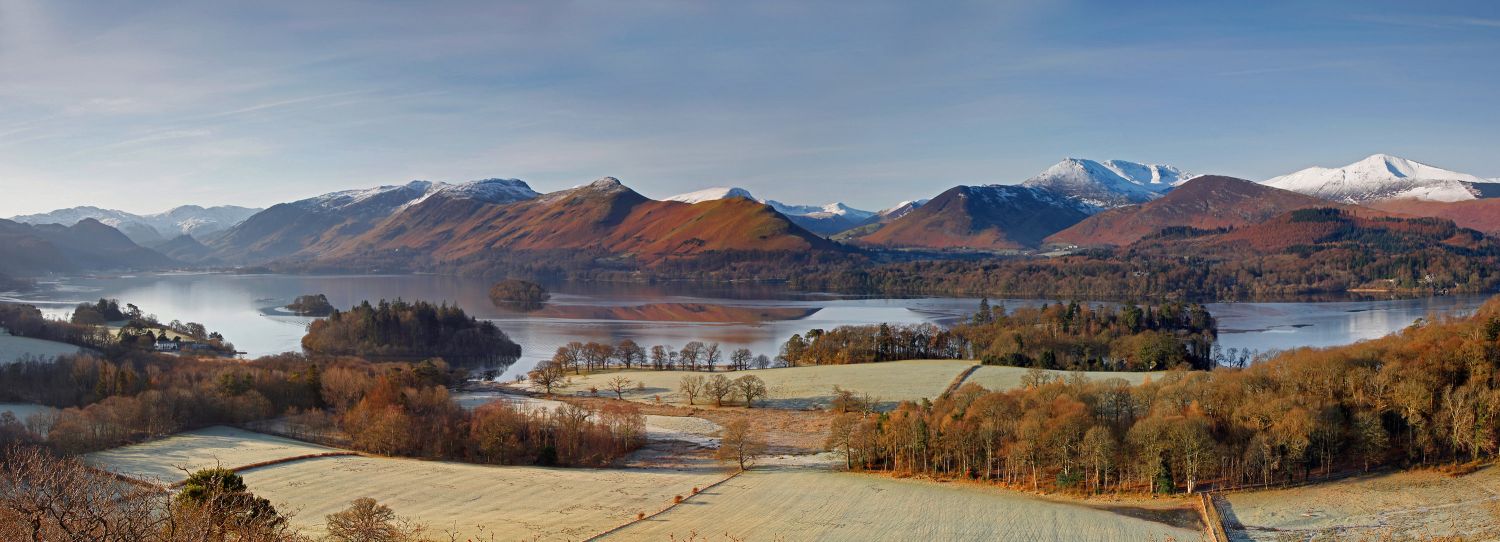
x=750 y=387
x=719 y=387
x=762 y=361
x=629 y=353
x=618 y=385
x=368 y=521
x=548 y=376
x=740 y=359
x=711 y=356
x=741 y=444
x=690 y=354
x=691 y=386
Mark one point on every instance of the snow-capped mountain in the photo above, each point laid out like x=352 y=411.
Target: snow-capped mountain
x=823 y=220
x=710 y=194
x=286 y=228
x=1109 y=184
x=153 y=229
x=901 y=209
x=1385 y=177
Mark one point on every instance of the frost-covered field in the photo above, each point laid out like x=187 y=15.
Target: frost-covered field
x=997 y=377
x=13 y=348
x=513 y=503
x=801 y=387
x=811 y=503
x=1398 y=506
x=680 y=428
x=158 y=460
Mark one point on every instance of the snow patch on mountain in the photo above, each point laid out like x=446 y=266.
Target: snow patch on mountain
x=711 y=194
x=402 y=196
x=1381 y=177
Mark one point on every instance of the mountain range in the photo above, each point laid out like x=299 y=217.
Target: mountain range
x=824 y=220
x=423 y=224
x=154 y=229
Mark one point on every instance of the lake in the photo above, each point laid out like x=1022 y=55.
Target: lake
x=245 y=309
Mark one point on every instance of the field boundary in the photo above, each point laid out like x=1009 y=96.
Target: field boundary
x=668 y=508
x=959 y=380
x=1211 y=517
x=243 y=468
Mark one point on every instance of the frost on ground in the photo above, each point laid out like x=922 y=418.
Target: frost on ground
x=512 y=503
x=159 y=460
x=787 y=501
x=999 y=378
x=13 y=348
x=695 y=431
x=797 y=387
x=1385 y=506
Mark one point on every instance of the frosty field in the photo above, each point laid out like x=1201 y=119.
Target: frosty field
x=812 y=503
x=801 y=387
x=158 y=460
x=1400 y=505
x=13 y=348
x=513 y=503
x=996 y=377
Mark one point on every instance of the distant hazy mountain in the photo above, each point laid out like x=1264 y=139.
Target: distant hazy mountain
x=1385 y=177
x=201 y=222
x=1205 y=202
x=1109 y=184
x=823 y=220
x=88 y=245
x=287 y=228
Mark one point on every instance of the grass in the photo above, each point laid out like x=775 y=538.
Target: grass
x=158 y=460
x=996 y=377
x=800 y=387
x=1385 y=506
x=477 y=501
x=13 y=348
x=812 y=386
x=812 y=503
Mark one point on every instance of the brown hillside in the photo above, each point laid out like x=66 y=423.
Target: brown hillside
x=604 y=216
x=1481 y=214
x=1205 y=202
x=980 y=217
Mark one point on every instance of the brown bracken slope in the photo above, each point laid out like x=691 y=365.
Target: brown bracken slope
x=992 y=217
x=1207 y=202
x=1481 y=214
x=603 y=216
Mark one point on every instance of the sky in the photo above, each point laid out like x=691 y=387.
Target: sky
x=145 y=105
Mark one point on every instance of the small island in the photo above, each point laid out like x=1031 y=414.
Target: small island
x=311 y=305
x=416 y=330
x=516 y=292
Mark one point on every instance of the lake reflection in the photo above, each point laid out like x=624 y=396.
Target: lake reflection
x=243 y=308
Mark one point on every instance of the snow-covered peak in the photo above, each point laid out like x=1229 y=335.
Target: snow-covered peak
x=1380 y=177
x=1112 y=183
x=150 y=229
x=839 y=209
x=901 y=209
x=489 y=190
x=711 y=194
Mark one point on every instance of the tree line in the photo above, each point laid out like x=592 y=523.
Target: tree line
x=394 y=408
x=1070 y=336
x=1426 y=396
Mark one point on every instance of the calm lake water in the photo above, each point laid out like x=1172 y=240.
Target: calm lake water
x=245 y=309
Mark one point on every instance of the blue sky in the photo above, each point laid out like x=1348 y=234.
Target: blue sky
x=146 y=105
